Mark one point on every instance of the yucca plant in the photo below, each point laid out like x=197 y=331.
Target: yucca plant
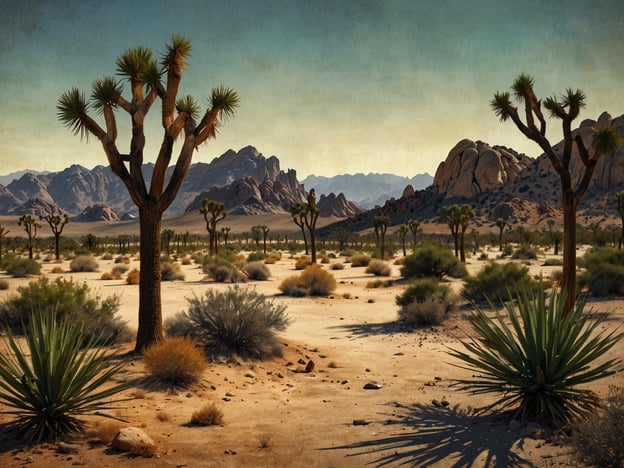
x=534 y=356
x=55 y=380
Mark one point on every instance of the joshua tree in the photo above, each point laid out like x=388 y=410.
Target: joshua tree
x=466 y=215
x=501 y=224
x=30 y=226
x=213 y=212
x=380 y=224
x=555 y=236
x=225 y=233
x=619 y=201
x=605 y=140
x=181 y=121
x=299 y=212
x=57 y=224
x=90 y=242
x=255 y=235
x=341 y=234
x=451 y=216
x=414 y=227
x=3 y=233
x=402 y=233
x=265 y=231
x=166 y=236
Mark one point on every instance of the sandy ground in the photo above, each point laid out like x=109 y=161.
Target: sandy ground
x=275 y=416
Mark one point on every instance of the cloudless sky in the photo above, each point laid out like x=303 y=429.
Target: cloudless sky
x=328 y=86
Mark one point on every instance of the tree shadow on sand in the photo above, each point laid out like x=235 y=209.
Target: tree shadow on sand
x=368 y=329
x=433 y=435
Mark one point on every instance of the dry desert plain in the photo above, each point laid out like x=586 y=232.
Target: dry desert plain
x=277 y=417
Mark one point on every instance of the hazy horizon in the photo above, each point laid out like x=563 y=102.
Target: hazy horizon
x=328 y=87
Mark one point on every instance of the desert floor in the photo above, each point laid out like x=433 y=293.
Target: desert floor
x=275 y=416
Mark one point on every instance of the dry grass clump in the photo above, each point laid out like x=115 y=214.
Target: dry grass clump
x=208 y=415
x=110 y=275
x=175 y=361
x=4 y=285
x=83 y=263
x=122 y=259
x=378 y=268
x=120 y=269
x=171 y=271
x=257 y=271
x=57 y=270
x=106 y=430
x=163 y=416
x=302 y=262
x=313 y=281
x=133 y=277
x=186 y=261
x=597 y=441
x=378 y=283
x=431 y=311
x=323 y=258
x=360 y=260
x=337 y=266
x=399 y=261
x=270 y=261
x=107 y=256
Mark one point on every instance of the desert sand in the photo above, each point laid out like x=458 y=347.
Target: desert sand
x=275 y=416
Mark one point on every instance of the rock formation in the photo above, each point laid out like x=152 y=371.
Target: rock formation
x=98 y=213
x=338 y=206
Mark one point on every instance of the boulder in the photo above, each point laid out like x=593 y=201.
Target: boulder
x=134 y=440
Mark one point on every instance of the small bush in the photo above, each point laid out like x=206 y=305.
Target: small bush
x=597 y=441
x=171 y=271
x=4 y=285
x=134 y=276
x=430 y=311
x=323 y=258
x=495 y=281
x=552 y=262
x=313 y=281
x=432 y=260
x=337 y=266
x=57 y=270
x=604 y=272
x=238 y=320
x=122 y=259
x=208 y=415
x=257 y=271
x=270 y=260
x=302 y=262
x=107 y=256
x=524 y=253
x=83 y=263
x=422 y=289
x=175 y=361
x=186 y=261
x=378 y=283
x=378 y=268
x=178 y=325
x=109 y=275
x=399 y=261
x=360 y=260
x=222 y=270
x=507 y=251
x=23 y=267
x=256 y=256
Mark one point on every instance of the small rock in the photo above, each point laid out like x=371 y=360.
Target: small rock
x=445 y=402
x=226 y=399
x=309 y=366
x=436 y=403
x=250 y=375
x=360 y=422
x=344 y=382
x=373 y=386
x=134 y=440
x=230 y=394
x=280 y=375
x=301 y=361
x=64 y=447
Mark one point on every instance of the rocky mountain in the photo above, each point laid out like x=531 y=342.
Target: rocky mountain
x=35 y=207
x=8 y=178
x=246 y=181
x=337 y=205
x=366 y=190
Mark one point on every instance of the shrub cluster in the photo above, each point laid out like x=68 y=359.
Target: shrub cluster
x=222 y=270
x=171 y=271
x=302 y=262
x=360 y=260
x=378 y=268
x=134 y=276
x=257 y=271
x=313 y=281
x=524 y=253
x=175 y=361
x=67 y=299
x=434 y=261
x=22 y=267
x=604 y=272
x=426 y=301
x=495 y=281
x=85 y=263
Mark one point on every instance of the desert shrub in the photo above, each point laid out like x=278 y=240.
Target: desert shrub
x=175 y=361
x=122 y=259
x=336 y=266
x=597 y=441
x=399 y=261
x=495 y=280
x=208 y=415
x=432 y=260
x=532 y=356
x=313 y=281
x=120 y=269
x=134 y=276
x=257 y=271
x=23 y=267
x=360 y=260
x=171 y=271
x=83 y=263
x=270 y=260
x=524 y=253
x=256 y=256
x=378 y=268
x=178 y=325
x=110 y=275
x=302 y=262
x=4 y=285
x=107 y=256
x=431 y=311
x=57 y=270
x=323 y=258
x=604 y=272
x=552 y=262
x=222 y=270
x=378 y=283
x=483 y=256
x=68 y=299
x=422 y=289
x=238 y=320
x=507 y=251
x=186 y=261
x=48 y=386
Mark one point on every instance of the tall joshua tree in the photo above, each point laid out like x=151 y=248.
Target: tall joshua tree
x=451 y=216
x=402 y=233
x=605 y=140
x=57 y=224
x=181 y=121
x=466 y=215
x=299 y=212
x=619 y=201
x=380 y=225
x=213 y=212
x=30 y=226
x=501 y=224
x=414 y=227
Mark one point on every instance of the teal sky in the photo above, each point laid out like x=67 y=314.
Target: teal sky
x=329 y=87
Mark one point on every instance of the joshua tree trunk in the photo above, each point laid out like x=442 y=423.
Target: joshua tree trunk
x=568 y=280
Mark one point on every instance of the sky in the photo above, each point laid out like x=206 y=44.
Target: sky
x=328 y=86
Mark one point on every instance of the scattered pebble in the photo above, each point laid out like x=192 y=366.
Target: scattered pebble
x=373 y=386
